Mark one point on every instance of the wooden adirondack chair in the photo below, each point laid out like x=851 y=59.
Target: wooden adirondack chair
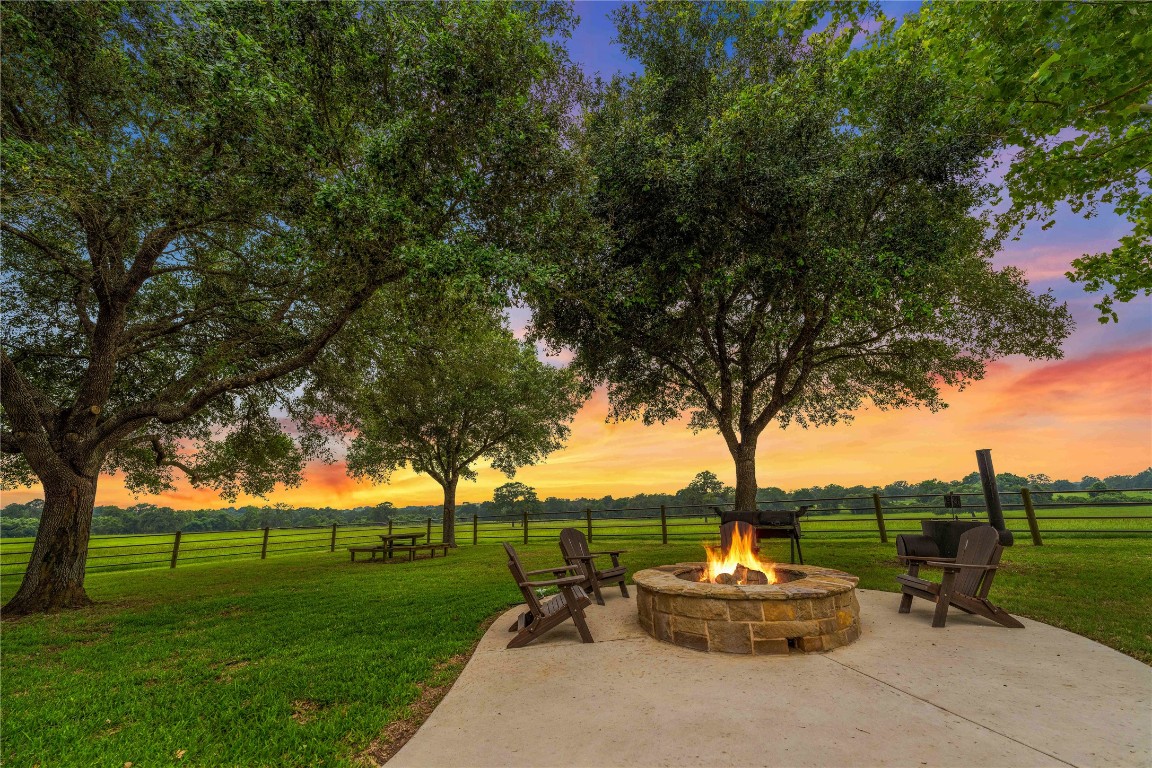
x=966 y=581
x=575 y=549
x=542 y=616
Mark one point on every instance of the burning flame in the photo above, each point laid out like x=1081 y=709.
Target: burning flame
x=741 y=552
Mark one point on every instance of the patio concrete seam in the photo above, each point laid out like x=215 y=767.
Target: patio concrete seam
x=502 y=649
x=949 y=711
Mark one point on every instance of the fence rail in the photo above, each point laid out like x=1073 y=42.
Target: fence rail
x=872 y=517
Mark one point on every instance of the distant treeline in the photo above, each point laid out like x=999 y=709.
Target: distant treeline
x=23 y=519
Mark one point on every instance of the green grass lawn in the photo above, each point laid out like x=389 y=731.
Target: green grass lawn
x=303 y=659
x=155 y=550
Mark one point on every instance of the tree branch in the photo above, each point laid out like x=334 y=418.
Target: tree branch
x=57 y=256
x=29 y=413
x=162 y=460
x=166 y=409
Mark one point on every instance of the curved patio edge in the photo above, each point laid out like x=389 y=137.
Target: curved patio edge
x=905 y=693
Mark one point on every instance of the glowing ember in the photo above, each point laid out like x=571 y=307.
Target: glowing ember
x=738 y=564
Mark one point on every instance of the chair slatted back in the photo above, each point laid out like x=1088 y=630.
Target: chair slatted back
x=574 y=545
x=978 y=546
x=521 y=579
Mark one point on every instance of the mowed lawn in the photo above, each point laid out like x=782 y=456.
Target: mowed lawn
x=304 y=659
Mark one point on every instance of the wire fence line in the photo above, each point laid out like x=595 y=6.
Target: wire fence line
x=875 y=517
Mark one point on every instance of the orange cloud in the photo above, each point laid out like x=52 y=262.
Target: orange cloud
x=1084 y=389
x=1087 y=415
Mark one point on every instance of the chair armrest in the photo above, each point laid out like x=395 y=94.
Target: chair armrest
x=929 y=560
x=567 y=581
x=959 y=566
x=609 y=552
x=557 y=569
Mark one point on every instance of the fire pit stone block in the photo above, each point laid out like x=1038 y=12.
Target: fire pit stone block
x=816 y=610
x=699 y=609
x=765 y=647
x=746 y=610
x=729 y=636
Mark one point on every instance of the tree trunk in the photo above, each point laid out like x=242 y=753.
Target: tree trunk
x=745 y=458
x=54 y=578
x=449 y=520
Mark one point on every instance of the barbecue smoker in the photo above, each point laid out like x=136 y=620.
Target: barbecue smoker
x=940 y=538
x=771 y=524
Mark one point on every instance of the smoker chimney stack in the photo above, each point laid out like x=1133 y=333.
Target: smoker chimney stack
x=992 y=495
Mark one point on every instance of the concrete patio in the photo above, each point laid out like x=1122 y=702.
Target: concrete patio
x=904 y=694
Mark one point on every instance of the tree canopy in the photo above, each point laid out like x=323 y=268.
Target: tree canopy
x=1066 y=87
x=433 y=380
x=509 y=495
x=198 y=196
x=789 y=231
x=705 y=488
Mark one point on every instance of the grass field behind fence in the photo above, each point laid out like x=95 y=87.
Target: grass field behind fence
x=155 y=550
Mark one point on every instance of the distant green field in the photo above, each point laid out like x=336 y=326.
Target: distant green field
x=1056 y=522
x=155 y=550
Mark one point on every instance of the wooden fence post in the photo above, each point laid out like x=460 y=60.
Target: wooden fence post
x=1029 y=510
x=428 y=534
x=880 y=518
x=389 y=526
x=588 y=516
x=475 y=529
x=332 y=546
x=525 y=521
x=264 y=545
x=663 y=524
x=175 y=549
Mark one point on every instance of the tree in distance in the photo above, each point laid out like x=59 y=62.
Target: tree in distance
x=1066 y=87
x=789 y=231
x=198 y=196
x=511 y=498
x=704 y=489
x=434 y=381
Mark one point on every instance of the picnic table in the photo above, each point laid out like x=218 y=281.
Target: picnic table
x=391 y=543
x=390 y=540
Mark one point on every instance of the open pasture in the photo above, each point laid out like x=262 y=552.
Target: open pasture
x=155 y=550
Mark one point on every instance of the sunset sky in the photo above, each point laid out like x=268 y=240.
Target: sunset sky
x=1088 y=414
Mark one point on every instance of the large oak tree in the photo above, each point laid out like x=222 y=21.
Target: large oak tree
x=790 y=231
x=198 y=196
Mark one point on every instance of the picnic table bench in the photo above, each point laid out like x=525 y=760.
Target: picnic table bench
x=412 y=549
x=373 y=549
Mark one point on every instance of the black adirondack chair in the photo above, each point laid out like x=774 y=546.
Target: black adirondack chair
x=574 y=547
x=966 y=581
x=543 y=615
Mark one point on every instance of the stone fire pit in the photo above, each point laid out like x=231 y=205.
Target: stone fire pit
x=808 y=609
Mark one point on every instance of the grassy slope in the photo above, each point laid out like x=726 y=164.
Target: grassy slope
x=302 y=659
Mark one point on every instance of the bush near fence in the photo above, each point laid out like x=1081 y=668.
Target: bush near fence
x=1031 y=515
